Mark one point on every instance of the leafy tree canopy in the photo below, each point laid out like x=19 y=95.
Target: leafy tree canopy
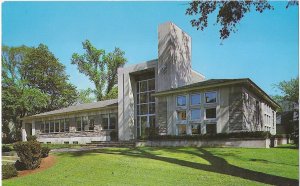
x=229 y=13
x=33 y=81
x=101 y=68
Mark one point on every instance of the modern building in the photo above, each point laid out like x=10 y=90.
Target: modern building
x=164 y=96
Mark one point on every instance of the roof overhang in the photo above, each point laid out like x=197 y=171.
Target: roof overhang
x=248 y=82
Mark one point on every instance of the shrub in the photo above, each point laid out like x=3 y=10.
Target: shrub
x=29 y=153
x=31 y=138
x=240 y=135
x=6 y=148
x=8 y=171
x=113 y=135
x=20 y=165
x=45 y=152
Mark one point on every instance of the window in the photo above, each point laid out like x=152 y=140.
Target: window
x=112 y=121
x=61 y=125
x=143 y=86
x=181 y=100
x=211 y=129
x=40 y=124
x=151 y=84
x=196 y=129
x=195 y=114
x=195 y=99
x=210 y=97
x=92 y=120
x=181 y=115
x=143 y=109
x=78 y=124
x=109 y=121
x=47 y=126
x=51 y=126
x=85 y=125
x=67 y=125
x=57 y=126
x=104 y=121
x=210 y=113
x=181 y=129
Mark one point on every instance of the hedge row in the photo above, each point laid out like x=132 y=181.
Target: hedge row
x=240 y=135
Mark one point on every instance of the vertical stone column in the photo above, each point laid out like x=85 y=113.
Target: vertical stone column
x=33 y=128
x=174 y=57
x=24 y=135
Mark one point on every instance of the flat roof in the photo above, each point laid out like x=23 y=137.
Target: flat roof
x=76 y=108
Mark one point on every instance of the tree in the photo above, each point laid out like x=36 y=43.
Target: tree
x=28 y=75
x=84 y=96
x=101 y=68
x=43 y=71
x=230 y=13
x=289 y=101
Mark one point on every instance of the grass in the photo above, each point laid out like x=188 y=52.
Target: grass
x=170 y=166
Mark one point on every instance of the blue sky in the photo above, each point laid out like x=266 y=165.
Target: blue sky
x=265 y=48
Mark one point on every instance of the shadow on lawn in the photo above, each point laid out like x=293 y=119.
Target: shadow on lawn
x=218 y=165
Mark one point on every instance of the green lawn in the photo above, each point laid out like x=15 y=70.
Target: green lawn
x=170 y=166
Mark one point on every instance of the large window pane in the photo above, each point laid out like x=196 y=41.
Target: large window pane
x=181 y=115
x=181 y=129
x=143 y=86
x=181 y=100
x=62 y=125
x=42 y=128
x=85 y=125
x=56 y=125
x=47 y=126
x=151 y=84
x=112 y=121
x=92 y=120
x=195 y=99
x=195 y=114
x=144 y=109
x=211 y=113
x=104 y=121
x=210 y=97
x=78 y=124
x=67 y=125
x=51 y=126
x=143 y=97
x=196 y=129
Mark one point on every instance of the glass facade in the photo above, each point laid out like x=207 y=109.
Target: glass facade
x=145 y=107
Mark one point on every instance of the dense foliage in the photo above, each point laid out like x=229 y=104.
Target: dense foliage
x=29 y=153
x=8 y=171
x=101 y=68
x=45 y=152
x=6 y=148
x=33 y=81
x=229 y=13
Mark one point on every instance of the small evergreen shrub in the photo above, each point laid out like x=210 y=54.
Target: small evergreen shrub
x=20 y=165
x=8 y=171
x=6 y=148
x=29 y=153
x=45 y=152
x=31 y=138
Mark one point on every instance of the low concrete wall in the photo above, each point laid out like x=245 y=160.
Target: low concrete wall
x=80 y=140
x=250 y=143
